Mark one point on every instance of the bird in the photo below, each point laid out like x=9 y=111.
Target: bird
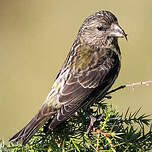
x=89 y=71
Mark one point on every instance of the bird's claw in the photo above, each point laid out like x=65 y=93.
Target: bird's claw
x=93 y=120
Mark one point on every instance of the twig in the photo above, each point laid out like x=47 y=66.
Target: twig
x=114 y=90
x=146 y=83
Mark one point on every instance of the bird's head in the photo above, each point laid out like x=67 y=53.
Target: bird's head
x=101 y=29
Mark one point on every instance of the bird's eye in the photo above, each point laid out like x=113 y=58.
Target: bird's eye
x=100 y=28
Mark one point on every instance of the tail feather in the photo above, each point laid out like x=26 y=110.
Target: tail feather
x=29 y=130
x=33 y=126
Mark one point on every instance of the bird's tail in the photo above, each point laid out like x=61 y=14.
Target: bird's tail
x=32 y=127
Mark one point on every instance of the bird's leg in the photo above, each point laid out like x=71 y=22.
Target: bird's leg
x=93 y=120
x=94 y=129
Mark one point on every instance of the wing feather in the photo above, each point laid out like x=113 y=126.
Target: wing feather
x=80 y=85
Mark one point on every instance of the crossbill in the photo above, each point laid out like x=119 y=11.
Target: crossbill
x=88 y=72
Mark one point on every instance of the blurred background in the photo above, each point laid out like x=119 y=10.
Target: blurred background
x=35 y=38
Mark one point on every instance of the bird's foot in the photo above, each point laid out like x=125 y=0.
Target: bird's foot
x=93 y=120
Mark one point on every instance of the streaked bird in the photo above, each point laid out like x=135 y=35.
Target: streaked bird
x=88 y=72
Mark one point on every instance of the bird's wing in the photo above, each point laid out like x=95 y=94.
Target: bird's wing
x=78 y=87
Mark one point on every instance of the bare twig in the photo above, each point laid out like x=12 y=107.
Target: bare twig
x=146 y=83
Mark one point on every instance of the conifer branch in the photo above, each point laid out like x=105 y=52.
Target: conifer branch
x=113 y=132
